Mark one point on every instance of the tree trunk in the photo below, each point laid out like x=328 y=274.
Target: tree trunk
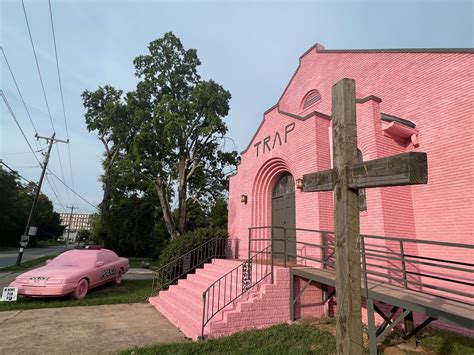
x=165 y=207
x=105 y=207
x=182 y=196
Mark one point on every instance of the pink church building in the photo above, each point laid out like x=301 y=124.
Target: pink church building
x=413 y=100
x=408 y=100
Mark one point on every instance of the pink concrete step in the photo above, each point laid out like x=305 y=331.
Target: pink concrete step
x=226 y=262
x=182 y=303
x=179 y=315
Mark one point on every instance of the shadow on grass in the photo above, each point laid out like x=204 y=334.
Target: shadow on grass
x=435 y=341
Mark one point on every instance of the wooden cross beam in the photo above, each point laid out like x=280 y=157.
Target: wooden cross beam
x=347 y=176
x=403 y=169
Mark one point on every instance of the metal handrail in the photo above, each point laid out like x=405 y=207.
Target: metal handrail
x=252 y=272
x=167 y=274
x=403 y=267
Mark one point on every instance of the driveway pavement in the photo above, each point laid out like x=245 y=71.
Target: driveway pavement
x=84 y=330
x=8 y=256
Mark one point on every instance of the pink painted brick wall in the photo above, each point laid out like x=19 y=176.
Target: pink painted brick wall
x=269 y=306
x=435 y=90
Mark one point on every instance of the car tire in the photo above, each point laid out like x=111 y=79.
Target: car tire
x=118 y=277
x=81 y=290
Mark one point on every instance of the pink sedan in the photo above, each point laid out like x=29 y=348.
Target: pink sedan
x=73 y=272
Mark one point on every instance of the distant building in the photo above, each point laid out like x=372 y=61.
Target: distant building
x=79 y=222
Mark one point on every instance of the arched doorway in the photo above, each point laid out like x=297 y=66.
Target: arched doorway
x=283 y=215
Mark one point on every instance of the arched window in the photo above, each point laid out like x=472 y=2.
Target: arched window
x=310 y=99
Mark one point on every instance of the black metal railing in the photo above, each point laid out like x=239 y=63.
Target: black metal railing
x=235 y=283
x=439 y=267
x=168 y=274
x=303 y=253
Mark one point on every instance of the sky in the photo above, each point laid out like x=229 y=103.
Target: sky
x=250 y=47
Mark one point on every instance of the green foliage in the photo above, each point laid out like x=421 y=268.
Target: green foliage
x=218 y=215
x=15 y=205
x=165 y=139
x=179 y=246
x=133 y=226
x=84 y=236
x=196 y=216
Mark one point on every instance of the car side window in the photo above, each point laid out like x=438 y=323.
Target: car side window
x=102 y=257
x=113 y=256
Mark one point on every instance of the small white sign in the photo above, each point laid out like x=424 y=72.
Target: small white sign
x=9 y=294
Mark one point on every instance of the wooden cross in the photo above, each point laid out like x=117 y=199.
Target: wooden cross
x=347 y=176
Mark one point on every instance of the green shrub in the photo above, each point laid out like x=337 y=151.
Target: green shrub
x=188 y=241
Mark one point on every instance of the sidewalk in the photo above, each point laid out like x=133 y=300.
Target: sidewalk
x=84 y=330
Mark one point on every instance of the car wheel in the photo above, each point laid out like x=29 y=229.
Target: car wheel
x=118 y=277
x=81 y=290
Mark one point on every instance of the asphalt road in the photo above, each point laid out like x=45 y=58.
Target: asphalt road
x=8 y=256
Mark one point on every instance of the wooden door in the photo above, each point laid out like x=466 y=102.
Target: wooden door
x=283 y=215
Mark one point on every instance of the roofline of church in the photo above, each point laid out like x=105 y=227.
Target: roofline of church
x=399 y=50
x=319 y=48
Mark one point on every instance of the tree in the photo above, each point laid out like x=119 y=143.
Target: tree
x=218 y=214
x=15 y=204
x=106 y=115
x=178 y=129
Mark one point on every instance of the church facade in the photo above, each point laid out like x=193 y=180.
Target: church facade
x=407 y=101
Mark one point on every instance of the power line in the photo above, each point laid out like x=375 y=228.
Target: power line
x=18 y=89
x=43 y=88
x=26 y=167
x=62 y=172
x=74 y=192
x=16 y=172
x=61 y=91
x=40 y=147
x=59 y=202
x=24 y=136
x=37 y=64
x=18 y=124
x=57 y=68
x=18 y=153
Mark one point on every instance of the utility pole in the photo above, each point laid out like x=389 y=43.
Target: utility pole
x=25 y=237
x=69 y=224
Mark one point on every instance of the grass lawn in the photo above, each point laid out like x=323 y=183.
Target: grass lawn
x=48 y=243
x=279 y=339
x=130 y=291
x=25 y=265
x=434 y=341
x=306 y=337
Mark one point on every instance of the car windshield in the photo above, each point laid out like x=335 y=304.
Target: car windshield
x=75 y=258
